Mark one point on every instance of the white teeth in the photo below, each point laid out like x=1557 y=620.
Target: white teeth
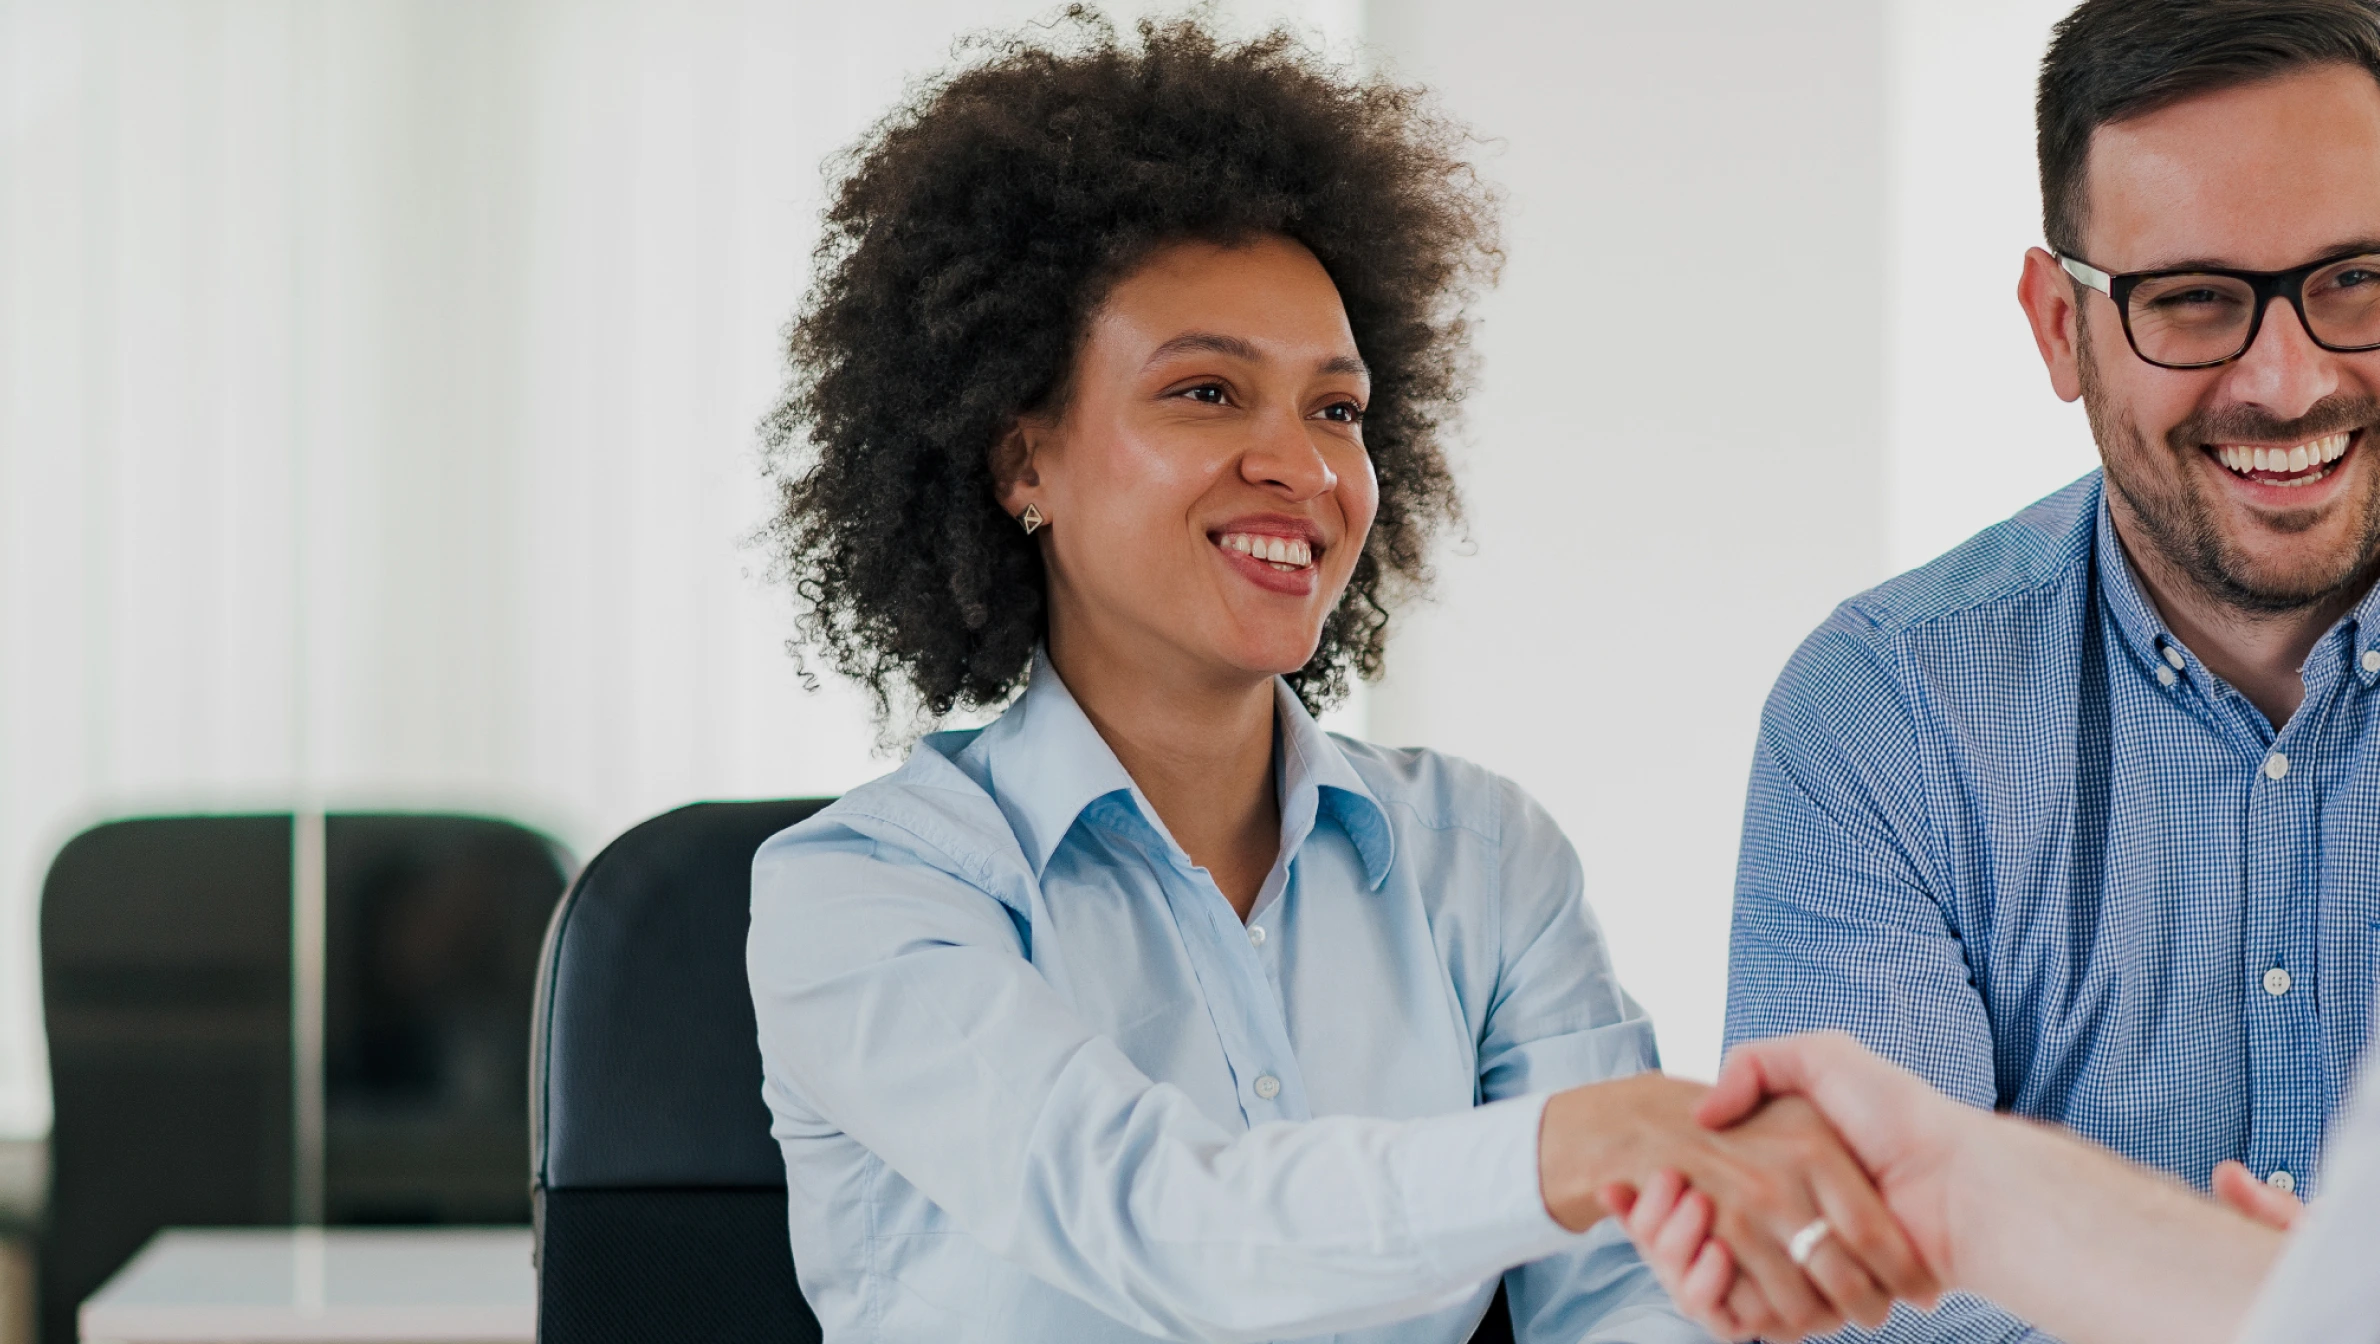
x=1282 y=552
x=2308 y=456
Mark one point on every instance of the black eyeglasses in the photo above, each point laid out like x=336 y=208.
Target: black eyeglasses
x=2196 y=319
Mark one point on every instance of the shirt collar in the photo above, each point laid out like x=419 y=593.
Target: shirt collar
x=1316 y=777
x=1045 y=764
x=2365 y=637
x=2143 y=630
x=2145 y=633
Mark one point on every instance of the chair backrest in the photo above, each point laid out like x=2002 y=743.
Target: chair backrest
x=166 y=952
x=660 y=1195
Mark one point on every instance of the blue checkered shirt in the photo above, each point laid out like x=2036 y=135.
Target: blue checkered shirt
x=2006 y=829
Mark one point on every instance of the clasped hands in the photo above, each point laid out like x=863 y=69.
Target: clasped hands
x=1716 y=1185
x=1715 y=1200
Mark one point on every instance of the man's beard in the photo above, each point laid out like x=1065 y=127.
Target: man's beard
x=2179 y=519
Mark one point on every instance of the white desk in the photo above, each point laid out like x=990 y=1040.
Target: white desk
x=312 y=1286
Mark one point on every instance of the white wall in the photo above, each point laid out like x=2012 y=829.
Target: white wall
x=1674 y=462
x=378 y=385
x=1973 y=432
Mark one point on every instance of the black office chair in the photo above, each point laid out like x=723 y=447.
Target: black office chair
x=166 y=991
x=660 y=1195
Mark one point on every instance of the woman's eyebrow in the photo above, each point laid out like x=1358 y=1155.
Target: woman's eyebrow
x=1208 y=342
x=1216 y=343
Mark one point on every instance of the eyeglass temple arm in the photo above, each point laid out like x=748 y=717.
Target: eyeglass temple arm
x=2089 y=275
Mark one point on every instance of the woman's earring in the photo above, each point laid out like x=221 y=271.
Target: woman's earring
x=1032 y=519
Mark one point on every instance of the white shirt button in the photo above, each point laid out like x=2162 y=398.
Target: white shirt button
x=2275 y=766
x=2282 y=1181
x=2276 y=982
x=2173 y=657
x=1256 y=935
x=1267 y=1086
x=2166 y=676
x=2371 y=660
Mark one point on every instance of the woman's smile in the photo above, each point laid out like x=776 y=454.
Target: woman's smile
x=1277 y=554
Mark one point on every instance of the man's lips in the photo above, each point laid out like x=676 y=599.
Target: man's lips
x=2286 y=466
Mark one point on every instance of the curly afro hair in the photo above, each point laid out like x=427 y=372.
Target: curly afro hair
x=974 y=233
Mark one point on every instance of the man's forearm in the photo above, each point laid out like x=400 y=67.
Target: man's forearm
x=2092 y=1248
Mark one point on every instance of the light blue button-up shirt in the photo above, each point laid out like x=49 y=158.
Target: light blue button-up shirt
x=1035 y=1081
x=2007 y=829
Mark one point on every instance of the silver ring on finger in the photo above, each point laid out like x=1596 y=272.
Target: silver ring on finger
x=1805 y=1242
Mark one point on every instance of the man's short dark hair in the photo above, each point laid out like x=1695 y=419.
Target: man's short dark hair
x=2111 y=60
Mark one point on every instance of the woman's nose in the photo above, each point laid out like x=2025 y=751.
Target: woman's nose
x=1284 y=457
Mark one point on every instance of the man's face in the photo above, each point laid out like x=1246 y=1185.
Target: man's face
x=2263 y=177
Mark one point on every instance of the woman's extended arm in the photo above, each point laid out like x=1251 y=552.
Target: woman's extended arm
x=896 y=1001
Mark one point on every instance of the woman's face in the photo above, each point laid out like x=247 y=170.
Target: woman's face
x=1206 y=488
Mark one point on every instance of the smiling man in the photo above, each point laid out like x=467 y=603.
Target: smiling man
x=2082 y=820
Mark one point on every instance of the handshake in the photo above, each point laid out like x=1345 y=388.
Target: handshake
x=1815 y=1184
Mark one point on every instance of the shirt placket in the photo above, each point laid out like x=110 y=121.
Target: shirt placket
x=1242 y=999
x=2278 y=946
x=2349 y=942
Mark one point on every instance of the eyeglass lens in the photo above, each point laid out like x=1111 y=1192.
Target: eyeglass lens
x=2204 y=319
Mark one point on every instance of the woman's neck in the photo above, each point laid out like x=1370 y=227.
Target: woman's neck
x=1201 y=750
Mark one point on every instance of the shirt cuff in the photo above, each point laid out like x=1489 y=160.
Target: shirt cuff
x=1473 y=1205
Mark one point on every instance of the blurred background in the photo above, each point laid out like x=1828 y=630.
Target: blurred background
x=379 y=381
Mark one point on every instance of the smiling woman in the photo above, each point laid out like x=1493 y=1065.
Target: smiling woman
x=1151 y=1010
x=1023 y=193
x=1213 y=484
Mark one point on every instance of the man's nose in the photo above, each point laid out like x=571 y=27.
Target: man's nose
x=1284 y=457
x=2283 y=371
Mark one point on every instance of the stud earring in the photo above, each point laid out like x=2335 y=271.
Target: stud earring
x=1031 y=519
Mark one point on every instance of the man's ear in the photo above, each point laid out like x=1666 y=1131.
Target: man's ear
x=1016 y=475
x=2049 y=299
